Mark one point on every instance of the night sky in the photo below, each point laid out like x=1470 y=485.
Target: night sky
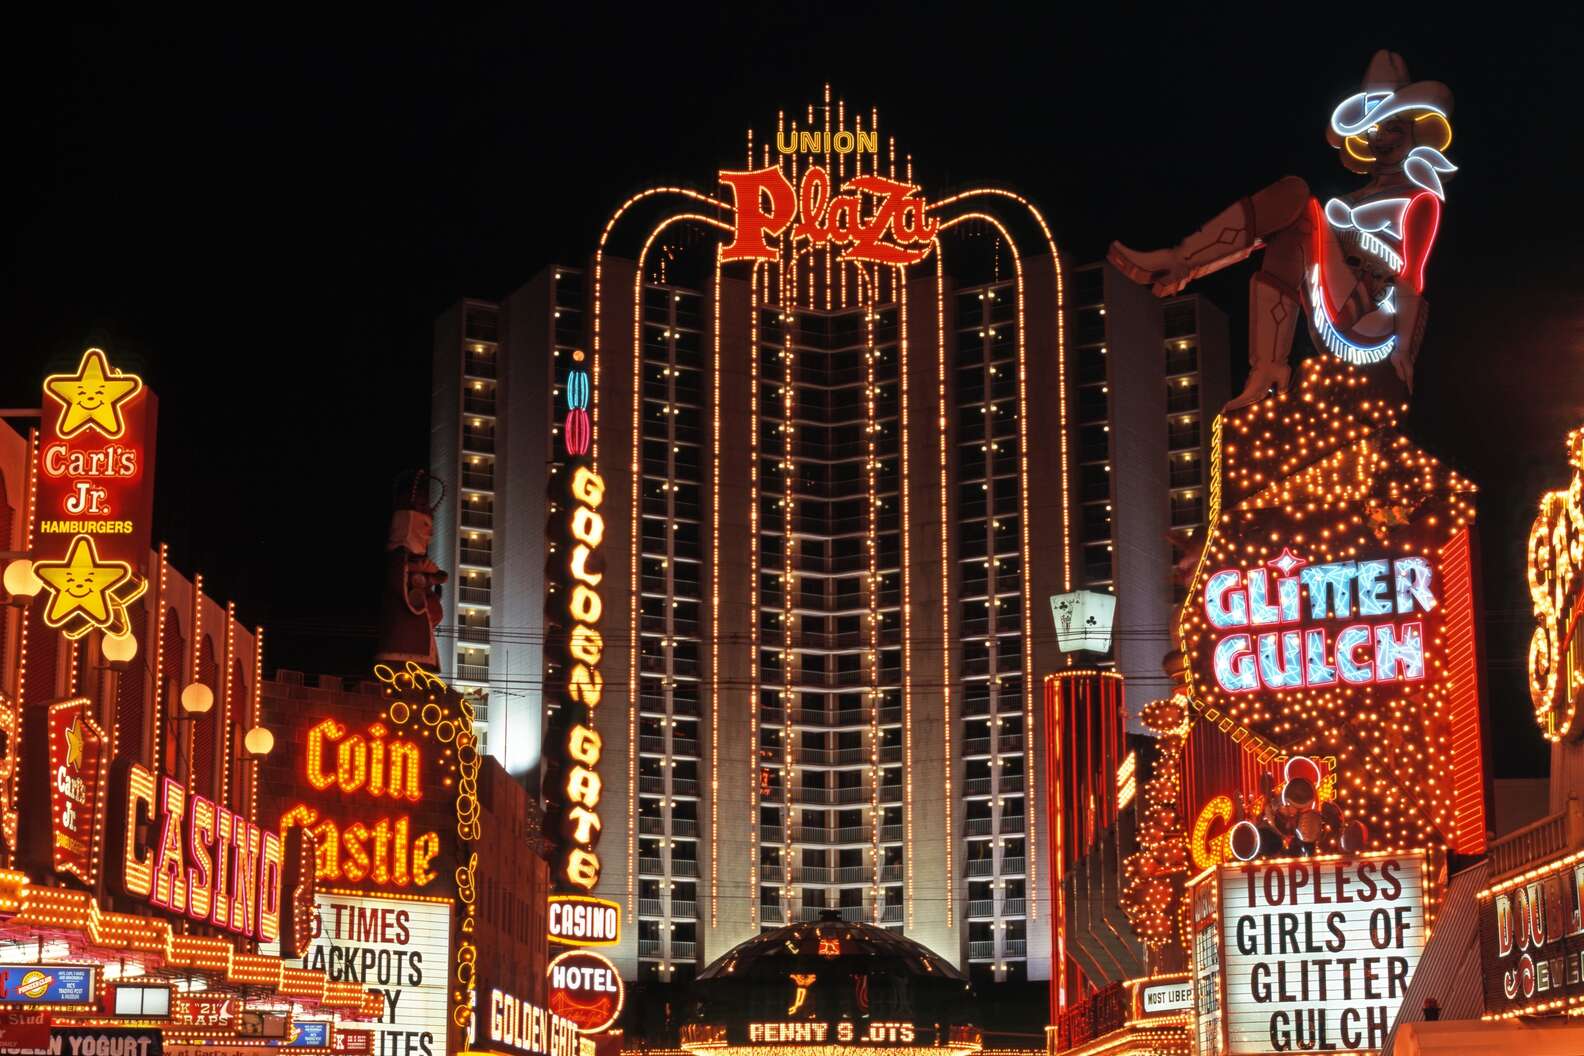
x=265 y=217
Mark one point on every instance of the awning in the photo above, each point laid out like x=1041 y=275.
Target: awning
x=1449 y=968
x=60 y=910
x=1476 y=1037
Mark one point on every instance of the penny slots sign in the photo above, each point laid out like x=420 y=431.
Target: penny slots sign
x=95 y=477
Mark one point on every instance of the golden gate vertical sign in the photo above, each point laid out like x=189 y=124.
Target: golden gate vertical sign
x=581 y=529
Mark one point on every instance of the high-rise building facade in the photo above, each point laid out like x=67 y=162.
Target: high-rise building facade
x=841 y=482
x=490 y=445
x=1150 y=378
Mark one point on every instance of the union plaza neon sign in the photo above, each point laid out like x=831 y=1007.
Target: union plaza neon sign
x=1352 y=618
x=892 y=226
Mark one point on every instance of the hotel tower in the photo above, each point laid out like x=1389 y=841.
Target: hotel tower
x=835 y=417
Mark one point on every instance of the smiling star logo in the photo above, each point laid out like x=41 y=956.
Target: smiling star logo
x=82 y=583
x=74 y=744
x=93 y=397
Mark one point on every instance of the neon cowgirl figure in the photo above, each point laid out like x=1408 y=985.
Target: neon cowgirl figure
x=1355 y=265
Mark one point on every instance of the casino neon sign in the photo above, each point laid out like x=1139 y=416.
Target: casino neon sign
x=202 y=860
x=891 y=226
x=1289 y=624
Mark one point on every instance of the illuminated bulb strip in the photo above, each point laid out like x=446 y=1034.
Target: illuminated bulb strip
x=9 y=819
x=755 y=566
x=866 y=297
x=197 y=652
x=945 y=567
x=161 y=603
x=634 y=609
x=715 y=639
x=224 y=734
x=906 y=615
x=599 y=272
x=788 y=544
x=258 y=714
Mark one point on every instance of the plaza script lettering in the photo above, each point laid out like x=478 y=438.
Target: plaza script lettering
x=896 y=228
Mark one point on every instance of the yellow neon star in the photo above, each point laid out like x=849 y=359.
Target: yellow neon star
x=74 y=744
x=92 y=397
x=81 y=583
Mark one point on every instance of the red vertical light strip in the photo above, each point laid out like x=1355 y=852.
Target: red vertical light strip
x=1054 y=778
x=1462 y=663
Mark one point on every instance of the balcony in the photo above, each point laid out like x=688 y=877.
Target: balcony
x=1016 y=948
x=770 y=913
x=1014 y=907
x=981 y=951
x=478 y=481
x=650 y=907
x=853 y=874
x=1011 y=742
x=1548 y=838
x=684 y=786
x=474 y=556
x=812 y=874
x=979 y=826
x=1012 y=824
x=981 y=867
x=976 y=786
x=684 y=746
x=684 y=910
x=976 y=746
x=684 y=827
x=891 y=915
x=1014 y=866
x=852 y=834
x=652 y=745
x=890 y=872
x=651 y=866
x=981 y=908
x=648 y=947
x=854 y=913
x=472 y=404
x=651 y=826
x=683 y=951
x=472 y=672
x=473 y=595
x=891 y=834
x=684 y=867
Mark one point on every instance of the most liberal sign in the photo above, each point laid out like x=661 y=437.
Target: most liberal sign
x=1315 y=953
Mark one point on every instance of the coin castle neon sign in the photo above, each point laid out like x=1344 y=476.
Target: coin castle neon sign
x=1372 y=601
